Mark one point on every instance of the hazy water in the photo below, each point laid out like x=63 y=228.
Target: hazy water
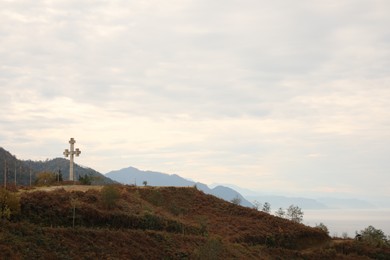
x=339 y=221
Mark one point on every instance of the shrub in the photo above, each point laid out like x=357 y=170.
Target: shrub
x=9 y=204
x=373 y=236
x=236 y=200
x=110 y=195
x=155 y=197
x=86 y=179
x=212 y=249
x=322 y=227
x=45 y=178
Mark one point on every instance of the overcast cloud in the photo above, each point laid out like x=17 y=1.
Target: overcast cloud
x=278 y=96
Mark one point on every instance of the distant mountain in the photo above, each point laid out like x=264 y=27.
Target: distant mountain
x=135 y=176
x=337 y=203
x=20 y=169
x=62 y=165
x=307 y=203
x=11 y=168
x=242 y=191
x=284 y=202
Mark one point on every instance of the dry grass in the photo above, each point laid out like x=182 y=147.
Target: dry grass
x=155 y=223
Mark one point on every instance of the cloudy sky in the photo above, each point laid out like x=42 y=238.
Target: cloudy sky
x=290 y=97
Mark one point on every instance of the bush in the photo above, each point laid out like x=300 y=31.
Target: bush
x=86 y=179
x=9 y=204
x=373 y=236
x=322 y=227
x=45 y=178
x=236 y=200
x=155 y=197
x=212 y=249
x=110 y=195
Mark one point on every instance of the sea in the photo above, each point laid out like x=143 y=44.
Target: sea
x=341 y=222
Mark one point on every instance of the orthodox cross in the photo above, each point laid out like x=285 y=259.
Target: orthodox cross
x=72 y=152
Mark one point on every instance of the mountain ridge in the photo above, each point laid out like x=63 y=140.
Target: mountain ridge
x=18 y=171
x=322 y=202
x=245 y=195
x=132 y=175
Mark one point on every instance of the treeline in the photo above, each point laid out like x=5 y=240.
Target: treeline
x=14 y=172
x=293 y=212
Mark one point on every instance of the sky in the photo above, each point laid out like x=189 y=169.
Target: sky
x=286 y=97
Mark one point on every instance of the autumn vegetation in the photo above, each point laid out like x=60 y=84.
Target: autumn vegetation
x=127 y=222
x=44 y=217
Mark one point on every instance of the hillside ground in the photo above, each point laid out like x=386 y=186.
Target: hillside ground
x=127 y=222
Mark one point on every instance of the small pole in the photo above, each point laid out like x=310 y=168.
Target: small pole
x=30 y=176
x=74 y=213
x=15 y=174
x=74 y=202
x=5 y=173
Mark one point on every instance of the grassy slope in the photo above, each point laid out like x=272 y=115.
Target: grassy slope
x=150 y=223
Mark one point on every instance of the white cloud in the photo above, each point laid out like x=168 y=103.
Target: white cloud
x=269 y=95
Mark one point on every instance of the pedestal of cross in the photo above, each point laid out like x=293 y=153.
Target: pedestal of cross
x=71 y=153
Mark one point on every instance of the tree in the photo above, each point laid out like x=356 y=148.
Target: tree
x=322 y=227
x=110 y=195
x=280 y=213
x=9 y=204
x=256 y=205
x=294 y=213
x=145 y=183
x=266 y=207
x=46 y=178
x=236 y=200
x=85 y=179
x=373 y=236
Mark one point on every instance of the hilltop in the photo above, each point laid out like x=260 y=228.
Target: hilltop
x=20 y=170
x=128 y=222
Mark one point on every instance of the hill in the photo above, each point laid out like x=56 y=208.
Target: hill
x=18 y=171
x=135 y=176
x=155 y=223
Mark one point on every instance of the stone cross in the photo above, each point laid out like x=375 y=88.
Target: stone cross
x=72 y=152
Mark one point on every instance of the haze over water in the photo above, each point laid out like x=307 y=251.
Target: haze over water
x=339 y=221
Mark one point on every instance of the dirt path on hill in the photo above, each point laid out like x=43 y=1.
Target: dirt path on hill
x=82 y=188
